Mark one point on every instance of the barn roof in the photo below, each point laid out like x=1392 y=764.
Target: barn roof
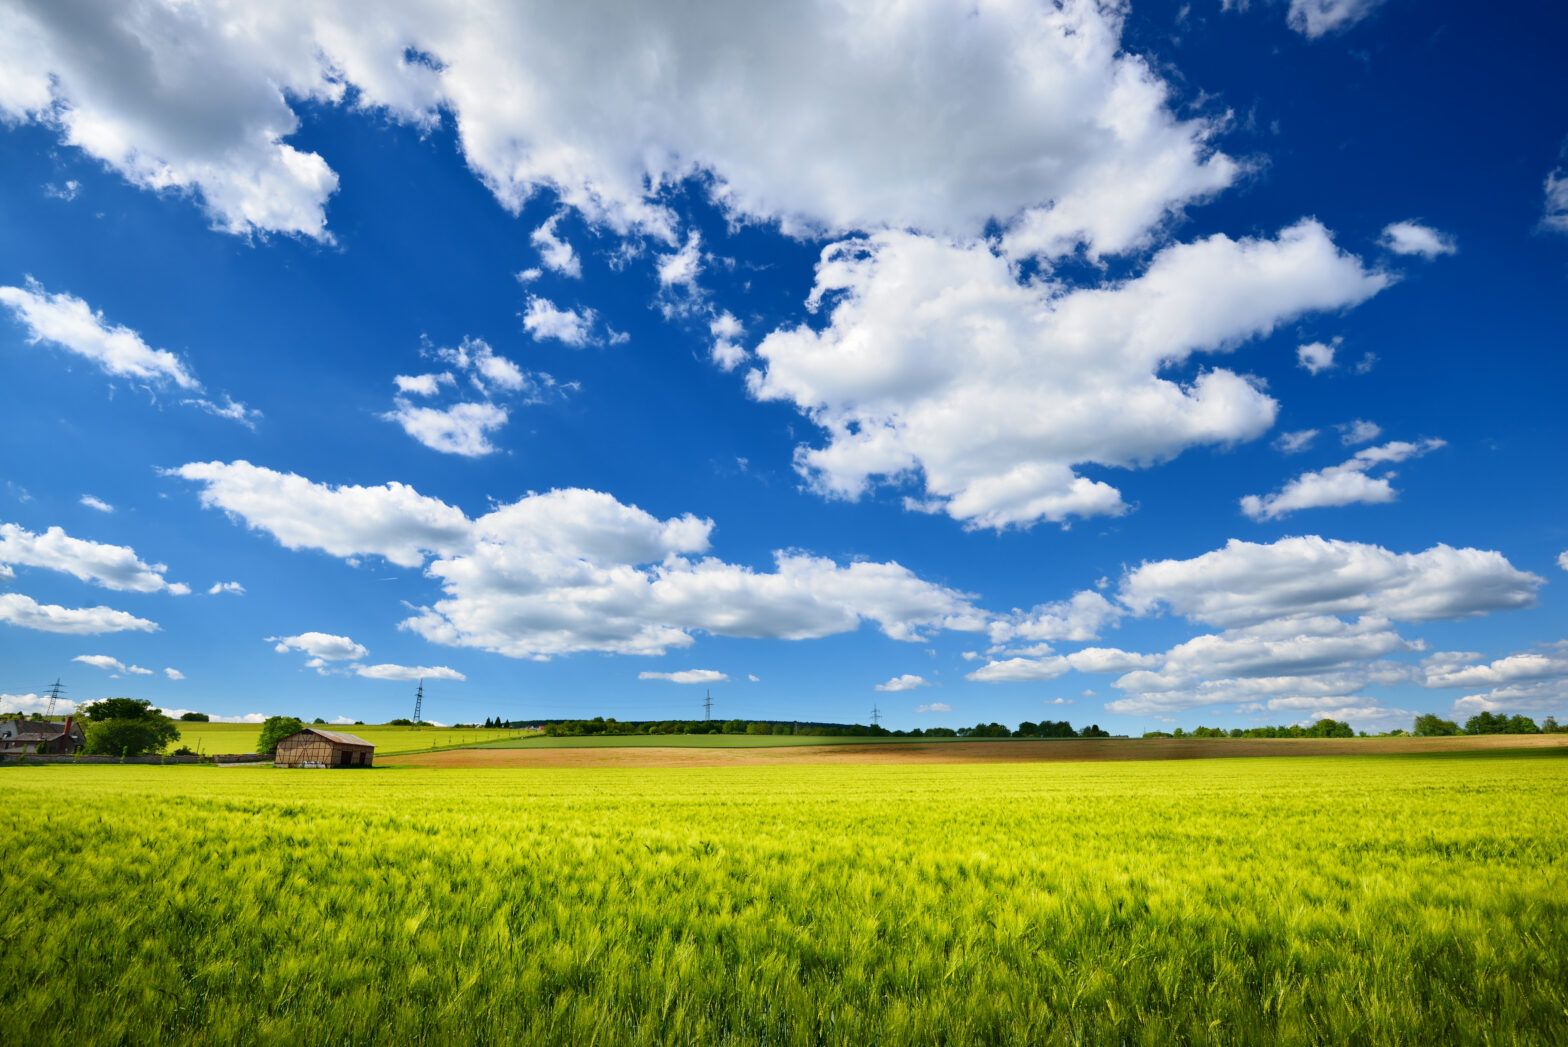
x=39 y=730
x=339 y=738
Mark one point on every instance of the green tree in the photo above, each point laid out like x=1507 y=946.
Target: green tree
x=1431 y=725
x=195 y=717
x=127 y=727
x=274 y=730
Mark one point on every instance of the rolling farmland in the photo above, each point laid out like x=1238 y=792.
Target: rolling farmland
x=1375 y=899
x=242 y=737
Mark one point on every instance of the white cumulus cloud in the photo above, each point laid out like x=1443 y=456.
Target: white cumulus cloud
x=27 y=613
x=1359 y=431
x=937 y=366
x=545 y=320
x=1245 y=582
x=554 y=252
x=326 y=646
x=226 y=587
x=1315 y=357
x=96 y=503
x=1344 y=484
x=388 y=671
x=1413 y=238
x=462 y=428
x=906 y=682
x=69 y=323
x=108 y=566
x=577 y=570
x=687 y=676
x=607 y=105
x=934 y=707
x=173 y=673
x=111 y=665
x=1295 y=442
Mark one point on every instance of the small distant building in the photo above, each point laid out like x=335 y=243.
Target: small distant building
x=41 y=736
x=314 y=747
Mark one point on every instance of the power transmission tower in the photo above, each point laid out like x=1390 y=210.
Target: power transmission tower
x=419 y=700
x=875 y=713
x=54 y=696
x=707 y=705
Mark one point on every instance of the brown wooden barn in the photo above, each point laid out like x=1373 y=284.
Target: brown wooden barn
x=314 y=747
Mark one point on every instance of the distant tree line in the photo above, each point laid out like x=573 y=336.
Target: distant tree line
x=1324 y=728
x=611 y=726
x=1430 y=725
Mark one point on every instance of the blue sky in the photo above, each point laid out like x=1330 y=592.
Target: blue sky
x=1147 y=365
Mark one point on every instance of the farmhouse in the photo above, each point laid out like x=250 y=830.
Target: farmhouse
x=314 y=747
x=41 y=736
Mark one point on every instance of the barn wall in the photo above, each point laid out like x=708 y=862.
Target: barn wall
x=314 y=749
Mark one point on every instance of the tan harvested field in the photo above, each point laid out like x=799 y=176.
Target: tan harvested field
x=1012 y=751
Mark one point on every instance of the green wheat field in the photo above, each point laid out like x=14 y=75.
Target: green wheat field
x=1334 y=900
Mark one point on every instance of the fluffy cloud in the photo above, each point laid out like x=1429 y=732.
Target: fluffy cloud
x=1247 y=583
x=907 y=682
x=172 y=673
x=1078 y=619
x=175 y=98
x=727 y=352
x=1530 y=681
x=1417 y=239
x=681 y=268
x=407 y=672
x=32 y=703
x=1316 y=357
x=544 y=320
x=934 y=707
x=324 y=646
x=1296 y=442
x=111 y=665
x=24 y=611
x=687 y=676
x=575 y=570
x=1527 y=667
x=96 y=503
x=226 y=587
x=609 y=104
x=1300 y=649
x=392 y=521
x=422 y=384
x=109 y=566
x=1562 y=559
x=461 y=428
x=1019 y=670
x=554 y=252
x=1359 y=431
x=69 y=323
x=937 y=364
x=1343 y=484
x=1315 y=18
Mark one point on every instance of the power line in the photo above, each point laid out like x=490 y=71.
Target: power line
x=875 y=713
x=54 y=696
x=419 y=700
x=707 y=705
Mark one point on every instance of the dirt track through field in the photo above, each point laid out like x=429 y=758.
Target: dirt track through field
x=966 y=752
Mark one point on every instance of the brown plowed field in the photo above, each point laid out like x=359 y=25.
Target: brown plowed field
x=966 y=752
